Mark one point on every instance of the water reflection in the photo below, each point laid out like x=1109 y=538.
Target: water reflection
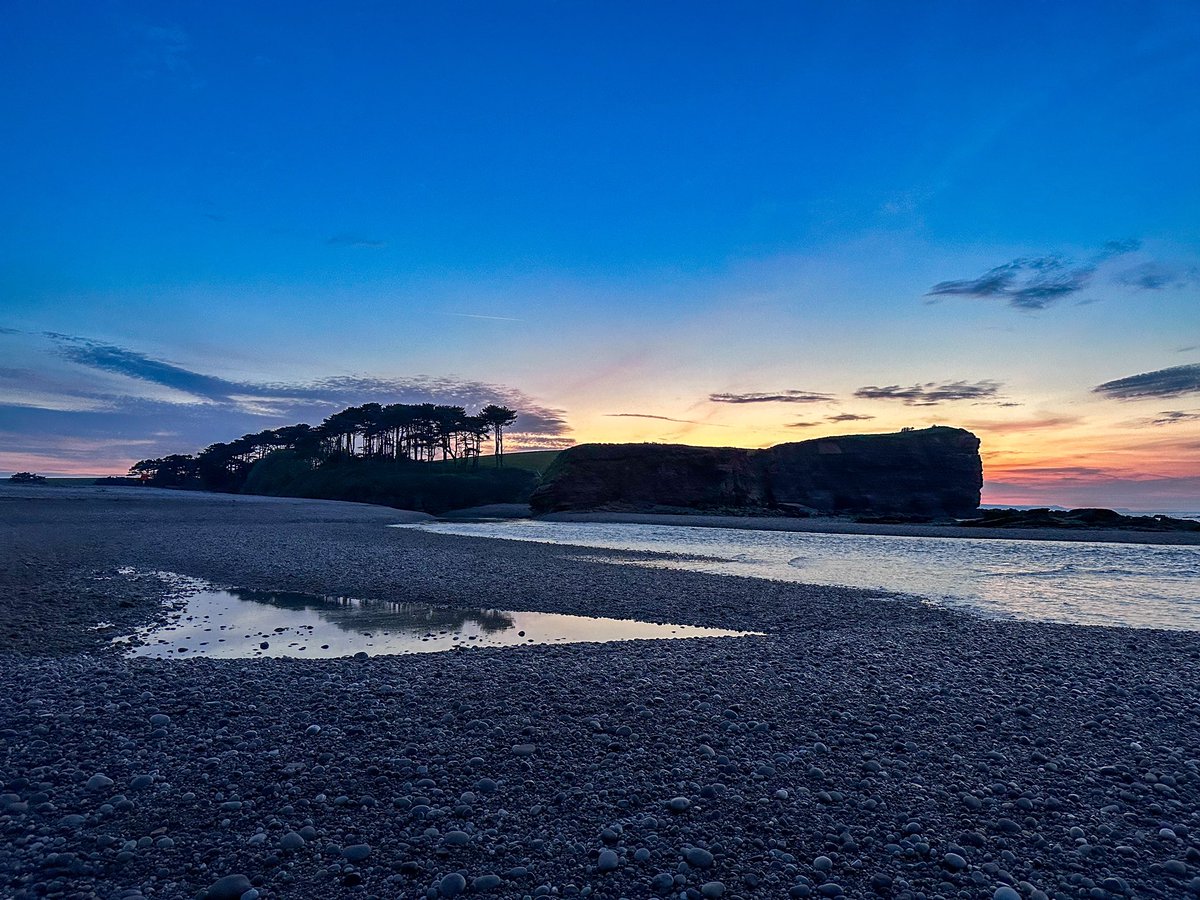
x=239 y=623
x=1139 y=585
x=354 y=614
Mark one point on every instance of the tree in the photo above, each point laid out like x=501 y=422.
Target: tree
x=499 y=418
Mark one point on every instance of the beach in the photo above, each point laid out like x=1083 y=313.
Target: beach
x=867 y=745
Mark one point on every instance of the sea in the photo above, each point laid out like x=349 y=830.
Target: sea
x=1084 y=583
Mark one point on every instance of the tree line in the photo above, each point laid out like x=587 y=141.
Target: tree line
x=399 y=432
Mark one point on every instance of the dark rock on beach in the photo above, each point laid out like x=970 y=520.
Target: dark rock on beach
x=1078 y=520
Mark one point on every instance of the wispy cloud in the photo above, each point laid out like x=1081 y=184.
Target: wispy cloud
x=1155 y=276
x=164 y=51
x=1173 y=382
x=933 y=393
x=110 y=358
x=803 y=425
x=1019 y=426
x=626 y=415
x=1034 y=282
x=789 y=396
x=489 y=318
x=848 y=417
x=355 y=240
x=90 y=400
x=1174 y=417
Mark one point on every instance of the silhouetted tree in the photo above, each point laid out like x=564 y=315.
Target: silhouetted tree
x=499 y=418
x=401 y=432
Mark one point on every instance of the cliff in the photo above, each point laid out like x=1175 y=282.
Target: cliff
x=932 y=472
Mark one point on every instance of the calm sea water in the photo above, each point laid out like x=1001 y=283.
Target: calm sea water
x=1084 y=583
x=239 y=624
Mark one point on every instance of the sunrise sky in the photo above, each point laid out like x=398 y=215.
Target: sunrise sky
x=729 y=224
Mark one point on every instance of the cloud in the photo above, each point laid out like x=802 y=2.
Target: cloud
x=1155 y=276
x=803 y=425
x=167 y=46
x=299 y=399
x=661 y=419
x=1022 y=425
x=1174 y=417
x=89 y=406
x=789 y=396
x=490 y=318
x=1173 y=382
x=848 y=417
x=1034 y=282
x=110 y=358
x=354 y=240
x=933 y=393
x=523 y=440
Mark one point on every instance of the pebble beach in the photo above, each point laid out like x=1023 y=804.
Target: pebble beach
x=866 y=745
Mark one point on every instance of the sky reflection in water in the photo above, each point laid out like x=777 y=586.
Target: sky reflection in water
x=232 y=624
x=1134 y=585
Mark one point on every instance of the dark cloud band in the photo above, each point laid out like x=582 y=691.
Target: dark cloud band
x=789 y=396
x=933 y=393
x=1173 y=382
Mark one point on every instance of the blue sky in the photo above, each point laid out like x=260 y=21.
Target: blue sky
x=609 y=212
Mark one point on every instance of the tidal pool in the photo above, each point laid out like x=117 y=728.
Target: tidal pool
x=239 y=624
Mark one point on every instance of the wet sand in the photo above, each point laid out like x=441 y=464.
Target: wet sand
x=868 y=746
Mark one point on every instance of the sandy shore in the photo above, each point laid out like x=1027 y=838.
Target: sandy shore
x=825 y=525
x=868 y=746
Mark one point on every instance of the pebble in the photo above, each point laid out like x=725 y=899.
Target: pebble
x=231 y=887
x=919 y=751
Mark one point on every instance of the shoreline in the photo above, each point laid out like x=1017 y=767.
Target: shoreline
x=831 y=525
x=867 y=745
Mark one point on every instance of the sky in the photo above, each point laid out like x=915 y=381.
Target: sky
x=707 y=223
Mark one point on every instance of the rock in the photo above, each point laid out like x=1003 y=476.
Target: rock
x=928 y=472
x=159 y=720
x=487 y=882
x=456 y=838
x=662 y=882
x=231 y=887
x=711 y=890
x=607 y=862
x=523 y=750
x=356 y=852
x=698 y=858
x=99 y=782
x=954 y=862
x=140 y=782
x=452 y=885
x=822 y=864
x=1004 y=892
x=678 y=804
x=292 y=841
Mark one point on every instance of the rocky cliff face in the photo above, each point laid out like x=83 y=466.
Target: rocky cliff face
x=932 y=472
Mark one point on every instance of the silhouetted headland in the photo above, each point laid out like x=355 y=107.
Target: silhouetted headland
x=933 y=472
